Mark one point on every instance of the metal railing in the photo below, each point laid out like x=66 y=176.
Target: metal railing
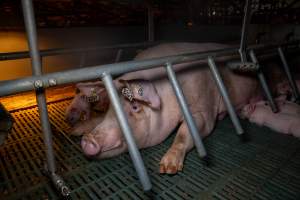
x=40 y=82
x=61 y=51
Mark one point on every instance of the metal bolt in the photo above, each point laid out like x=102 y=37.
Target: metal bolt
x=52 y=82
x=38 y=84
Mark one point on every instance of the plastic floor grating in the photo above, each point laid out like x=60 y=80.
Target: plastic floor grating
x=268 y=167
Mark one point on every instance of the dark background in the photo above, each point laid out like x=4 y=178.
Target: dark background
x=86 y=23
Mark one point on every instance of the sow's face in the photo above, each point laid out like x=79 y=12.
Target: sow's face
x=139 y=99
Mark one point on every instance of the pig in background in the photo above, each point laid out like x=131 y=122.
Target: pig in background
x=152 y=109
x=286 y=121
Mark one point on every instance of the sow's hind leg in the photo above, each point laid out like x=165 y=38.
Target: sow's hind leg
x=172 y=161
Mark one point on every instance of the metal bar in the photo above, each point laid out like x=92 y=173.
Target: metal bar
x=186 y=112
x=59 y=51
x=82 y=59
x=246 y=22
x=293 y=85
x=40 y=94
x=132 y=148
x=37 y=70
x=119 y=55
x=263 y=83
x=150 y=24
x=76 y=75
x=216 y=74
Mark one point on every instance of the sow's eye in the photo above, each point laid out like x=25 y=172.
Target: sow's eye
x=135 y=107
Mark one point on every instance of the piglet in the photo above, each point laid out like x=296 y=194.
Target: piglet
x=90 y=96
x=284 y=88
x=261 y=114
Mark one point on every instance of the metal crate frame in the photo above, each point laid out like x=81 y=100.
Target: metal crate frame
x=39 y=83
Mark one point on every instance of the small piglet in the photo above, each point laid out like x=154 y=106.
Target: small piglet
x=89 y=97
x=286 y=121
x=284 y=88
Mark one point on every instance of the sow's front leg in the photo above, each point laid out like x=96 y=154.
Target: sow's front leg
x=172 y=161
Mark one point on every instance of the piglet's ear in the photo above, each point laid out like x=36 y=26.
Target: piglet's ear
x=95 y=92
x=143 y=91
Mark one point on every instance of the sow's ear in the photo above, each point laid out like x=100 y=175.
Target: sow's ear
x=94 y=92
x=143 y=91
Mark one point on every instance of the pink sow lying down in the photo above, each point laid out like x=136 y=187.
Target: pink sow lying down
x=286 y=121
x=152 y=109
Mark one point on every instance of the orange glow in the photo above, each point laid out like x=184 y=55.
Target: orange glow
x=28 y=99
x=14 y=41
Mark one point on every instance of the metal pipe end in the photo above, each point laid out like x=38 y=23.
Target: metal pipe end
x=60 y=185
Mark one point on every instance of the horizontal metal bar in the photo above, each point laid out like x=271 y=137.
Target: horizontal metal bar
x=76 y=75
x=132 y=147
x=186 y=112
x=60 y=51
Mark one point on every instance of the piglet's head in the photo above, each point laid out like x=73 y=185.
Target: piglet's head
x=140 y=101
x=95 y=94
x=283 y=88
x=90 y=95
x=247 y=111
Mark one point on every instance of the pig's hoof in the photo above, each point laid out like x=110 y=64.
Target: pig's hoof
x=172 y=162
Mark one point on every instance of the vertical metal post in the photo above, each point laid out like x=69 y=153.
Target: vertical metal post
x=37 y=70
x=82 y=59
x=293 y=85
x=186 y=112
x=132 y=148
x=150 y=24
x=40 y=94
x=235 y=120
x=119 y=55
x=263 y=83
x=246 y=22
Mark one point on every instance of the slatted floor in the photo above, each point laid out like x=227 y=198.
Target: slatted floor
x=268 y=167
